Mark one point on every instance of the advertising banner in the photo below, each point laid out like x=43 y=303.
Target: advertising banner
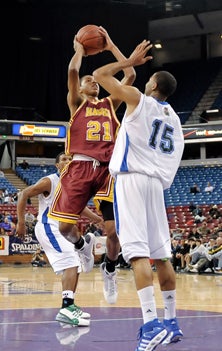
x=4 y=245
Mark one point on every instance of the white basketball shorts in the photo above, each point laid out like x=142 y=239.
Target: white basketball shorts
x=59 y=251
x=140 y=216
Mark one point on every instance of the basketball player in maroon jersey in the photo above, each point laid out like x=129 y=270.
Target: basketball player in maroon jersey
x=93 y=127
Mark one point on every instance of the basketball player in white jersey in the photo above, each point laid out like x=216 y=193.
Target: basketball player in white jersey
x=145 y=160
x=59 y=251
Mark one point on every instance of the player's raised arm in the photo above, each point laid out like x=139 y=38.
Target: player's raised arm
x=105 y=75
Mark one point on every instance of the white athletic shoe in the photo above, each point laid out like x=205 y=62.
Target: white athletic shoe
x=193 y=266
x=110 y=285
x=86 y=253
x=73 y=315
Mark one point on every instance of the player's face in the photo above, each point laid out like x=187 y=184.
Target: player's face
x=63 y=161
x=89 y=86
x=150 y=86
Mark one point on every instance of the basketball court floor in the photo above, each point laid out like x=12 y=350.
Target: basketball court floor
x=30 y=297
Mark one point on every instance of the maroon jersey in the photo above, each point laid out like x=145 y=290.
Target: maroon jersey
x=92 y=130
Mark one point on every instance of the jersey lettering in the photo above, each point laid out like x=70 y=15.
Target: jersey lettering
x=93 y=132
x=166 y=144
x=92 y=111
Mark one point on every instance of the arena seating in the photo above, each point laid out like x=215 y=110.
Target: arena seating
x=218 y=102
x=181 y=217
x=5 y=184
x=177 y=198
x=35 y=172
x=193 y=77
x=12 y=209
x=32 y=174
x=179 y=193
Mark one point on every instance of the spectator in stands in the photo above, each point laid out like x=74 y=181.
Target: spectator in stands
x=214 y=212
x=209 y=188
x=203 y=258
x=199 y=218
x=191 y=242
x=184 y=250
x=2 y=174
x=30 y=230
x=6 y=197
x=192 y=206
x=176 y=254
x=98 y=231
x=194 y=233
x=211 y=243
x=204 y=229
x=24 y=164
x=38 y=259
x=194 y=189
x=215 y=254
x=1 y=196
x=8 y=215
x=197 y=211
x=1 y=217
x=218 y=229
x=14 y=198
x=90 y=228
x=29 y=217
x=93 y=228
x=198 y=215
x=196 y=253
x=177 y=233
x=6 y=227
x=220 y=233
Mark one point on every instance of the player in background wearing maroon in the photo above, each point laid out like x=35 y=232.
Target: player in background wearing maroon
x=90 y=140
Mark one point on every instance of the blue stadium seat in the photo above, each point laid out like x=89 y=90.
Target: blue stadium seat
x=179 y=193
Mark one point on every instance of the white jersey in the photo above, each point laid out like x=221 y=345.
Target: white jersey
x=45 y=202
x=150 y=141
x=59 y=251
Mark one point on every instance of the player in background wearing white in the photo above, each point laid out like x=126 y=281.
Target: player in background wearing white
x=145 y=159
x=59 y=251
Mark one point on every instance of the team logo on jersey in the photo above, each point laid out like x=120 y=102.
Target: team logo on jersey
x=166 y=111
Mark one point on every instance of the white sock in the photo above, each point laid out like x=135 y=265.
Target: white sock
x=148 y=303
x=68 y=293
x=169 y=301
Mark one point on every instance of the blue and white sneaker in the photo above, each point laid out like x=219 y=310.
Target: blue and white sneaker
x=151 y=335
x=175 y=334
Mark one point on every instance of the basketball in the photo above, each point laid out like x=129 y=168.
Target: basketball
x=91 y=39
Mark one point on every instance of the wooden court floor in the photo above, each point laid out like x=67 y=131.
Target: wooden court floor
x=30 y=297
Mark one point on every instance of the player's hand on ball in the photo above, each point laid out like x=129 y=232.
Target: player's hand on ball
x=78 y=46
x=109 y=43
